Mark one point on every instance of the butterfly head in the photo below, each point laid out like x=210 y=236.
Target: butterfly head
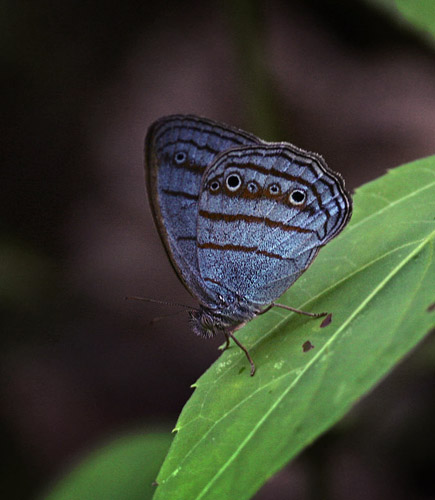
x=206 y=323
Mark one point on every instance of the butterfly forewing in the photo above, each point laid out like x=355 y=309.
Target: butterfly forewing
x=263 y=213
x=178 y=149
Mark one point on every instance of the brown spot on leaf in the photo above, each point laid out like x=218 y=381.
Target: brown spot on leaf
x=307 y=346
x=326 y=321
x=431 y=308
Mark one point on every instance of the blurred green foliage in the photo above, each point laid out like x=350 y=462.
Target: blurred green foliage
x=419 y=14
x=123 y=469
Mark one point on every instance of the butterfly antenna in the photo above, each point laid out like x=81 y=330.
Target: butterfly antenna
x=159 y=318
x=163 y=302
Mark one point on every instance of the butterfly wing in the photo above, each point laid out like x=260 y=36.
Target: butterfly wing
x=264 y=212
x=178 y=149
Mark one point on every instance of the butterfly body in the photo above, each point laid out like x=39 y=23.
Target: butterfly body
x=240 y=218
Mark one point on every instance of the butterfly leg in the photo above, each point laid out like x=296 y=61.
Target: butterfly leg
x=268 y=308
x=288 y=308
x=227 y=342
x=243 y=348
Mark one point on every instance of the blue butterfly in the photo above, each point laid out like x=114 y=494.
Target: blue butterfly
x=240 y=218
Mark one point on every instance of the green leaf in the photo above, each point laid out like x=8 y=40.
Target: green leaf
x=377 y=278
x=420 y=14
x=124 y=469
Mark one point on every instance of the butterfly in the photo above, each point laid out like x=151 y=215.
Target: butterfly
x=240 y=218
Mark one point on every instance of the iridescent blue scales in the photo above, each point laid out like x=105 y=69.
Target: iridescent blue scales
x=241 y=219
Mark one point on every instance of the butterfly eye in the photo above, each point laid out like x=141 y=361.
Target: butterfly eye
x=233 y=182
x=274 y=189
x=180 y=157
x=252 y=187
x=297 y=197
x=214 y=186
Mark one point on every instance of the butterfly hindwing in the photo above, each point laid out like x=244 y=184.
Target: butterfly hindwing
x=263 y=213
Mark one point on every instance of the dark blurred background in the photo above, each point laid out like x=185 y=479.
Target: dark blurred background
x=81 y=82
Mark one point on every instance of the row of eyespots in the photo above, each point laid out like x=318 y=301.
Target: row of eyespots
x=233 y=183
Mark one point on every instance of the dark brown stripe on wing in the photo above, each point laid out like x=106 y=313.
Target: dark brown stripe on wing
x=239 y=248
x=190 y=167
x=216 y=216
x=213 y=281
x=181 y=194
x=186 y=238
